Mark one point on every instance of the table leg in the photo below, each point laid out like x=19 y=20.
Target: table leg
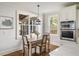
x=30 y=49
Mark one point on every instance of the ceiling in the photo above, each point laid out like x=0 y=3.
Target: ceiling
x=45 y=7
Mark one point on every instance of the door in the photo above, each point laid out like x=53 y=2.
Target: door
x=29 y=24
x=54 y=29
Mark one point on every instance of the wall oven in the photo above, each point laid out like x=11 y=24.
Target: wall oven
x=68 y=30
x=68 y=35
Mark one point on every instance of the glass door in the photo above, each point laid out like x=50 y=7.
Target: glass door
x=53 y=25
x=23 y=22
x=32 y=25
x=28 y=25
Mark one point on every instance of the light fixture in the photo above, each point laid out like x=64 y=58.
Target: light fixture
x=38 y=20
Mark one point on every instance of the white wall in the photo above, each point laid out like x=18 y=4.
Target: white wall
x=9 y=40
x=46 y=24
x=7 y=36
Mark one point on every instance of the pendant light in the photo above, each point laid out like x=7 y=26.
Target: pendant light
x=38 y=20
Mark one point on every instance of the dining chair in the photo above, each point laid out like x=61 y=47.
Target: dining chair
x=43 y=43
x=27 y=43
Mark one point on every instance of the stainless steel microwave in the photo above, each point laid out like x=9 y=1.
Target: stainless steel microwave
x=67 y=25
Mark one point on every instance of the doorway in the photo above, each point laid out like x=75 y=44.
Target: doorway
x=54 y=29
x=29 y=24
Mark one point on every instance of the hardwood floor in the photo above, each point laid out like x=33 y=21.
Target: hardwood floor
x=19 y=53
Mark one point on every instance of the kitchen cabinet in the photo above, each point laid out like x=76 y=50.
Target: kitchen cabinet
x=71 y=13
x=68 y=13
x=78 y=19
x=77 y=26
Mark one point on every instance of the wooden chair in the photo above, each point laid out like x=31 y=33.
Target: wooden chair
x=43 y=43
x=26 y=45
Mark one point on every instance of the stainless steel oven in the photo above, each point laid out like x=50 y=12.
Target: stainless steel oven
x=68 y=30
x=68 y=35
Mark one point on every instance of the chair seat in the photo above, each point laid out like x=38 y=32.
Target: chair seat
x=33 y=44
x=39 y=41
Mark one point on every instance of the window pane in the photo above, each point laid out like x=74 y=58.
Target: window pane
x=53 y=25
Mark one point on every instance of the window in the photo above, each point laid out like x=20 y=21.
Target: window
x=53 y=25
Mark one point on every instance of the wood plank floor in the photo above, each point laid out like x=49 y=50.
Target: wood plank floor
x=19 y=53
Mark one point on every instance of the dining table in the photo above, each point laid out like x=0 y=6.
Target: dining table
x=34 y=38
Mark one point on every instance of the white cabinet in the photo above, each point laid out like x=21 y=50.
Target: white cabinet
x=68 y=13
x=63 y=15
x=78 y=18
x=77 y=32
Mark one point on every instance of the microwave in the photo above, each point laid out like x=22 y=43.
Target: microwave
x=67 y=25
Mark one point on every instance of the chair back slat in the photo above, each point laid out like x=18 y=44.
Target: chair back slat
x=44 y=39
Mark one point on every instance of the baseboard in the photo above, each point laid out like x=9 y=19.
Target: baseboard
x=2 y=53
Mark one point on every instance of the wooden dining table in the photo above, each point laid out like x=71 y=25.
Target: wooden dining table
x=34 y=38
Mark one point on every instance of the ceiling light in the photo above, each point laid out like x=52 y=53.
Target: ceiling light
x=38 y=20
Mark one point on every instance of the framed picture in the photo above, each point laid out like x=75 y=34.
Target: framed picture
x=6 y=22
